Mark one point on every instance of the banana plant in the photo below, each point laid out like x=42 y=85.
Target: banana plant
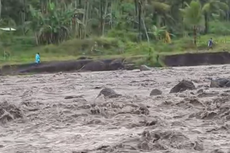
x=157 y=32
x=54 y=26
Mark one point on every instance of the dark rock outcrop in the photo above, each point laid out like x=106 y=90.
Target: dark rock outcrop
x=194 y=59
x=51 y=67
x=64 y=66
x=182 y=86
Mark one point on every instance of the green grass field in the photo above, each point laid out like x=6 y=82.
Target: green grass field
x=23 y=50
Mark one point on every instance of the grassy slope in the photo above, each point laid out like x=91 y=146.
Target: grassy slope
x=72 y=49
x=23 y=50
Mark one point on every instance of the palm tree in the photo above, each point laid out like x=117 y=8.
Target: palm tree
x=192 y=16
x=160 y=12
x=212 y=6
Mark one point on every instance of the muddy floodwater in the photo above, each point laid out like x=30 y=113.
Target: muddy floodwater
x=59 y=113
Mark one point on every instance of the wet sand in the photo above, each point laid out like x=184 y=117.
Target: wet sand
x=41 y=120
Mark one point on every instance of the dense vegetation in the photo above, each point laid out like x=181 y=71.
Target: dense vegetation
x=64 y=29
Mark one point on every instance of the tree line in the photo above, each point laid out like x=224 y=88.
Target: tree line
x=53 y=21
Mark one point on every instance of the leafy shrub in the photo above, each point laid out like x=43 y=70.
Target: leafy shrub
x=24 y=40
x=163 y=47
x=138 y=48
x=107 y=42
x=219 y=28
x=50 y=49
x=76 y=47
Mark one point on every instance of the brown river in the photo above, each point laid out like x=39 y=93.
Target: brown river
x=52 y=113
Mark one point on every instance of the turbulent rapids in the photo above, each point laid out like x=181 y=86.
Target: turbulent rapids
x=176 y=110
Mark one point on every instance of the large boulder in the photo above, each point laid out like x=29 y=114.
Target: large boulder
x=220 y=83
x=182 y=86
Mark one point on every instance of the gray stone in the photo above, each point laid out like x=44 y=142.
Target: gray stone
x=155 y=92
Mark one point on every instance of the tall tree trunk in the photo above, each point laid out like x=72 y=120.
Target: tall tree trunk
x=105 y=13
x=86 y=16
x=146 y=32
x=139 y=20
x=111 y=15
x=75 y=3
x=206 y=23
x=194 y=34
x=143 y=23
x=136 y=13
x=80 y=3
x=81 y=19
x=101 y=11
x=0 y=9
x=23 y=15
x=43 y=6
x=136 y=7
x=228 y=12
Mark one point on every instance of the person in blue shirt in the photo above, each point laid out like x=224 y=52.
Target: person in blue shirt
x=37 y=58
x=210 y=43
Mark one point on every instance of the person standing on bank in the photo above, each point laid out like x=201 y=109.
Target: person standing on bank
x=210 y=43
x=37 y=58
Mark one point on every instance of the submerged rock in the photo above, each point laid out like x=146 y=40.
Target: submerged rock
x=155 y=92
x=182 y=86
x=220 y=83
x=108 y=92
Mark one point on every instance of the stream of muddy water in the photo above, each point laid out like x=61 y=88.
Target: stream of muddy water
x=37 y=116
